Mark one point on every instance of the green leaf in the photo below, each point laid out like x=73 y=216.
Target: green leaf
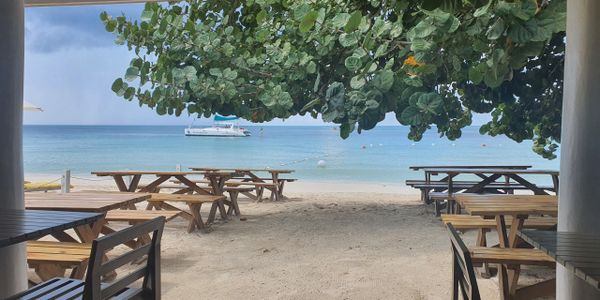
x=117 y=85
x=411 y=116
x=430 y=103
x=384 y=80
x=482 y=10
x=310 y=104
x=381 y=50
x=147 y=15
x=228 y=74
x=311 y=67
x=357 y=82
x=524 y=32
x=215 y=72
x=353 y=22
x=346 y=129
x=340 y=20
x=308 y=21
x=422 y=30
x=476 y=73
x=496 y=30
x=348 y=39
x=352 y=63
x=132 y=73
x=261 y=16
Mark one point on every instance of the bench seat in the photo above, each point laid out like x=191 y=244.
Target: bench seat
x=194 y=203
x=466 y=222
x=511 y=256
x=137 y=216
x=51 y=259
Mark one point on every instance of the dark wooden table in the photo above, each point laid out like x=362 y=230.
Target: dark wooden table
x=488 y=176
x=416 y=168
x=18 y=226
x=578 y=252
x=498 y=207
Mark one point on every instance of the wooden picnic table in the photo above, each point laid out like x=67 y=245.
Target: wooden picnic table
x=577 y=252
x=416 y=168
x=217 y=179
x=83 y=202
x=498 y=207
x=20 y=225
x=488 y=176
x=98 y=202
x=251 y=176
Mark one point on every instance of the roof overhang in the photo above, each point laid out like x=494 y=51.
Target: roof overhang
x=39 y=3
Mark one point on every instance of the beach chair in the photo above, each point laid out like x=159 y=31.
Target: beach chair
x=93 y=288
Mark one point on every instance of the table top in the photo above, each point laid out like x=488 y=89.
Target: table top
x=491 y=171
x=82 y=201
x=513 y=205
x=578 y=252
x=243 y=170
x=18 y=226
x=469 y=167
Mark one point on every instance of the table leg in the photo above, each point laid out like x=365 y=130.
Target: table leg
x=120 y=183
x=534 y=188
x=195 y=210
x=134 y=183
x=192 y=185
x=508 y=275
x=154 y=184
x=234 y=207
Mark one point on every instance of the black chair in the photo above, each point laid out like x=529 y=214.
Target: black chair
x=92 y=288
x=463 y=275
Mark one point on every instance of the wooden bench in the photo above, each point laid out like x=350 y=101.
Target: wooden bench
x=51 y=259
x=259 y=186
x=136 y=217
x=468 y=222
x=194 y=203
x=92 y=287
x=464 y=259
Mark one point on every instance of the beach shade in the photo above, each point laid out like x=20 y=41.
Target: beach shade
x=30 y=107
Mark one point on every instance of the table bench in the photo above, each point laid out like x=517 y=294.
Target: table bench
x=51 y=259
x=194 y=203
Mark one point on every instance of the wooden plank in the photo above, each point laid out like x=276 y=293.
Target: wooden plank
x=416 y=168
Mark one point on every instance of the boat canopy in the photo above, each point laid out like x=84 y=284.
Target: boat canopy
x=221 y=118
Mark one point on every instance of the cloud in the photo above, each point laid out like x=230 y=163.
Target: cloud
x=52 y=29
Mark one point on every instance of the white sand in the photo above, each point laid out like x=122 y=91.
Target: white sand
x=369 y=242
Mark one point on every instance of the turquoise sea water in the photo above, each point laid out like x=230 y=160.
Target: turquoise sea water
x=379 y=155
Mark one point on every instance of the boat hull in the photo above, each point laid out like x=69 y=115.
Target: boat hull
x=210 y=132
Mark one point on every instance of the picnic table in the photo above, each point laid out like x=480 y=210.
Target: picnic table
x=490 y=176
x=577 y=252
x=83 y=202
x=217 y=179
x=416 y=168
x=250 y=176
x=20 y=225
x=519 y=207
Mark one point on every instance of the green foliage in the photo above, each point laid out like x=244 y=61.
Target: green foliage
x=431 y=62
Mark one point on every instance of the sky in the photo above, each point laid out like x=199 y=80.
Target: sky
x=71 y=62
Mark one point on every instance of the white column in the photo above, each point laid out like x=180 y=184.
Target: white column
x=579 y=206
x=12 y=259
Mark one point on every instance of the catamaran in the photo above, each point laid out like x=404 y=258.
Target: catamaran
x=222 y=126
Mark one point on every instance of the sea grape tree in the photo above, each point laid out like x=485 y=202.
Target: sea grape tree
x=432 y=63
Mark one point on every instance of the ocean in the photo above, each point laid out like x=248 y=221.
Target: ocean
x=381 y=155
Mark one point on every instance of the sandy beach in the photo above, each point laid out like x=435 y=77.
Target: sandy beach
x=327 y=241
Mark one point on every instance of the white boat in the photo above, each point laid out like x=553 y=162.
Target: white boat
x=222 y=126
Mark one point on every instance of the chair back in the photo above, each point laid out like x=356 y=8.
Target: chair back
x=149 y=270
x=463 y=275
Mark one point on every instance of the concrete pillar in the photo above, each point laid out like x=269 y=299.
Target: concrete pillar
x=579 y=206
x=13 y=276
